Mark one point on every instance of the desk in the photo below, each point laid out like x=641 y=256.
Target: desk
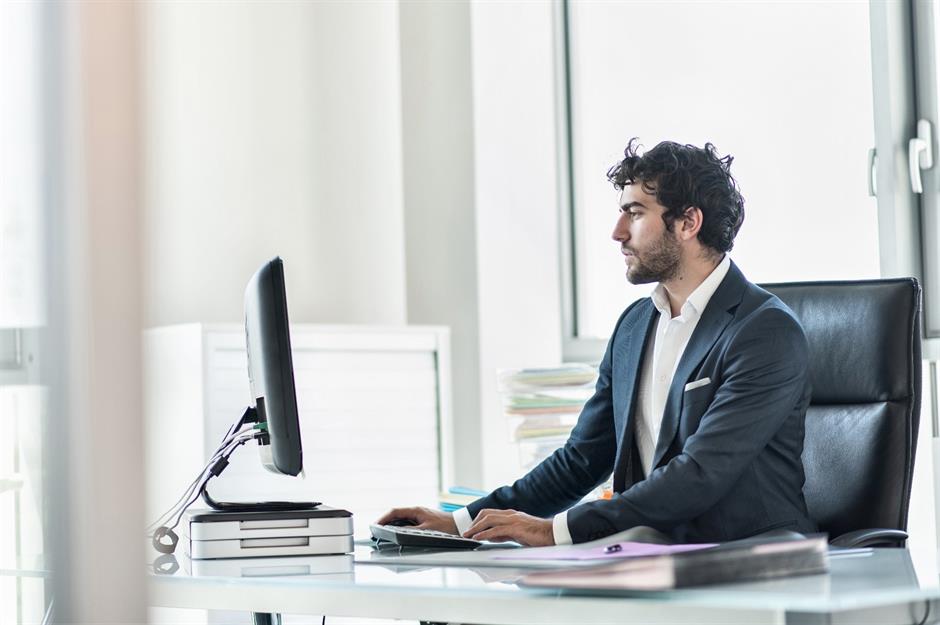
x=880 y=587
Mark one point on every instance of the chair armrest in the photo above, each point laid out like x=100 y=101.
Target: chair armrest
x=870 y=538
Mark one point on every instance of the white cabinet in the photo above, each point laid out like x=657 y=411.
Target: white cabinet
x=374 y=405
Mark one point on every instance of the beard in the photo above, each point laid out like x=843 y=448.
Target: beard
x=657 y=264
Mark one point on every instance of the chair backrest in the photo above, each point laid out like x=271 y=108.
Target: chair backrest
x=861 y=426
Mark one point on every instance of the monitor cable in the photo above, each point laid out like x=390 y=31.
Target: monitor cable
x=226 y=444
x=233 y=432
x=162 y=534
x=215 y=466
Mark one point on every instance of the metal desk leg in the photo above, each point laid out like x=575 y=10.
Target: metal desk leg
x=263 y=618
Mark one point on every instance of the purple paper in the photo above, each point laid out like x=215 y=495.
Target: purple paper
x=627 y=550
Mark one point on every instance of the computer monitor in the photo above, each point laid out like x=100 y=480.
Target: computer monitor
x=272 y=419
x=270 y=369
x=272 y=416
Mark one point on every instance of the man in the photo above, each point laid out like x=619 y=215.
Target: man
x=702 y=392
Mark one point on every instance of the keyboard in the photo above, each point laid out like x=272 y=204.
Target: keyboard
x=407 y=536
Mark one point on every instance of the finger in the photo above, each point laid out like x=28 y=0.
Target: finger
x=439 y=526
x=397 y=513
x=492 y=518
x=385 y=518
x=426 y=518
x=494 y=535
x=494 y=513
x=389 y=516
x=479 y=524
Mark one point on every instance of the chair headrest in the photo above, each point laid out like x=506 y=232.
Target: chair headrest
x=864 y=336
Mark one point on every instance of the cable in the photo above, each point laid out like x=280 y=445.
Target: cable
x=162 y=518
x=166 y=531
x=219 y=455
x=161 y=530
x=186 y=493
x=927 y=604
x=188 y=490
x=230 y=439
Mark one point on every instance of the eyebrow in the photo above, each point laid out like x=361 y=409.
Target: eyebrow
x=630 y=205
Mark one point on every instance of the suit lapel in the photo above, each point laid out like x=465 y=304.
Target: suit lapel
x=715 y=318
x=632 y=356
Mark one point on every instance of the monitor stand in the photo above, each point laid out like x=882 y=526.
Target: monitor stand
x=250 y=416
x=261 y=506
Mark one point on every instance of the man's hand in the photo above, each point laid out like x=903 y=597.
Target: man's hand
x=503 y=525
x=422 y=518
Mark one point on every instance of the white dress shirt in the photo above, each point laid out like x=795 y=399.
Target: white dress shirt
x=660 y=360
x=664 y=352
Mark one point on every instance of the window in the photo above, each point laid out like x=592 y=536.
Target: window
x=23 y=590
x=785 y=87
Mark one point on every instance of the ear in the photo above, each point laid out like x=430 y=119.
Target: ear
x=689 y=224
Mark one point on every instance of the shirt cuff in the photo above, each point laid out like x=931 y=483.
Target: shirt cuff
x=463 y=520
x=560 y=529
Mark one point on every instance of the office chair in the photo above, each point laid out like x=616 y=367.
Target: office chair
x=861 y=425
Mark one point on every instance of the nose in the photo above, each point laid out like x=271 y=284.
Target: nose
x=621 y=231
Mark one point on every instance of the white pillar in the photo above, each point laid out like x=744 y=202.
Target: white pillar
x=95 y=418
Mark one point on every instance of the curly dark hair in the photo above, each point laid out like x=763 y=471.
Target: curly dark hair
x=683 y=176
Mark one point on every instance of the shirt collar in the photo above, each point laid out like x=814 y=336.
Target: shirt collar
x=699 y=298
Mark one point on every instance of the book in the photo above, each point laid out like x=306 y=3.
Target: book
x=457 y=497
x=736 y=561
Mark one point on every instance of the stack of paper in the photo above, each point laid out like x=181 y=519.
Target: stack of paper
x=542 y=405
x=566 y=375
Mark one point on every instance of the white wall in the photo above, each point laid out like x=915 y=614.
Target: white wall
x=342 y=137
x=273 y=128
x=440 y=223
x=357 y=121
x=516 y=206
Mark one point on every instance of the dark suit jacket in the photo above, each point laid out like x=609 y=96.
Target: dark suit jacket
x=727 y=464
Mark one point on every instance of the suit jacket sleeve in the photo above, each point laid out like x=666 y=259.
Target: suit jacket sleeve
x=763 y=382
x=585 y=461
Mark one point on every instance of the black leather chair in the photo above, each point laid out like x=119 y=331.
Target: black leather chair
x=861 y=426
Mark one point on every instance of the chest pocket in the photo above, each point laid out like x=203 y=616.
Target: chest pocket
x=698 y=396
